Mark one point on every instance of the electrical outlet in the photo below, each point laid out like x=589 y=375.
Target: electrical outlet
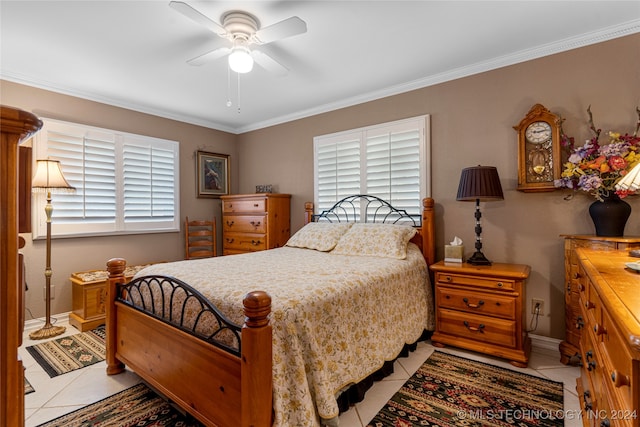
x=52 y=292
x=537 y=302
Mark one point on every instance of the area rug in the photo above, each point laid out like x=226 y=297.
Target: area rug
x=452 y=391
x=137 y=406
x=28 y=388
x=67 y=354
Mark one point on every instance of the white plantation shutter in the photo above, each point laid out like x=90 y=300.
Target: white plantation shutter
x=390 y=161
x=124 y=183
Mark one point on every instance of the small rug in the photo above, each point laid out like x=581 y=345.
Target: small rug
x=136 y=406
x=67 y=354
x=452 y=391
x=28 y=388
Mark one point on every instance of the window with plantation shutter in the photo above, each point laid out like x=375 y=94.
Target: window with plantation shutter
x=125 y=183
x=390 y=161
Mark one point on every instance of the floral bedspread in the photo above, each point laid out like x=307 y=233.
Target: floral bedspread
x=335 y=318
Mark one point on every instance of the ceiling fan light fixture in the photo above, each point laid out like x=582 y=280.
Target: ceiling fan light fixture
x=240 y=60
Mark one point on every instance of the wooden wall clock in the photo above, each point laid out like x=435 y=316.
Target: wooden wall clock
x=539 y=161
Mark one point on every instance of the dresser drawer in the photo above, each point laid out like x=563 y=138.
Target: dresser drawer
x=244 y=242
x=618 y=361
x=489 y=283
x=480 y=328
x=476 y=302
x=231 y=206
x=245 y=224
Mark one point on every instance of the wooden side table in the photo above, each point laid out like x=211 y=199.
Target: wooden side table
x=481 y=308
x=89 y=294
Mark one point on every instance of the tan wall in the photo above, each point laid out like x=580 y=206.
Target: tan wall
x=471 y=123
x=72 y=255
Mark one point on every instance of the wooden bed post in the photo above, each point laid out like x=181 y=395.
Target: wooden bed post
x=308 y=212
x=115 y=267
x=256 y=369
x=428 y=230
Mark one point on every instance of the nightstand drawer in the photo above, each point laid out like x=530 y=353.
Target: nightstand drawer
x=244 y=242
x=245 y=223
x=476 y=302
x=618 y=361
x=481 y=328
x=489 y=283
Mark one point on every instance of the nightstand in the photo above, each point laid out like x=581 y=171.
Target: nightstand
x=481 y=308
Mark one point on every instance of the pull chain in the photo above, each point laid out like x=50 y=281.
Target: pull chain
x=229 y=104
x=238 y=92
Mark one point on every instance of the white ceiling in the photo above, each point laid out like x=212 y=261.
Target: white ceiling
x=133 y=54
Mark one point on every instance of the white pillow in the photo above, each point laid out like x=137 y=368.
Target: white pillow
x=321 y=236
x=381 y=240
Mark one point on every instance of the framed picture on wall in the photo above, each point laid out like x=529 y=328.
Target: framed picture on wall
x=213 y=174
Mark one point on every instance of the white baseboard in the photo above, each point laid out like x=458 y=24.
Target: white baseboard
x=35 y=324
x=542 y=344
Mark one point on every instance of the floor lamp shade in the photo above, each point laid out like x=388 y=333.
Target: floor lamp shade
x=48 y=178
x=479 y=183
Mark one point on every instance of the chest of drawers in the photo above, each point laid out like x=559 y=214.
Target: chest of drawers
x=570 y=347
x=255 y=222
x=480 y=308
x=609 y=321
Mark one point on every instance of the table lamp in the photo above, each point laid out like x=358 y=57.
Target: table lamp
x=479 y=183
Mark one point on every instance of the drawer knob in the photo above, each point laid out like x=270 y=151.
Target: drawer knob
x=478 y=305
x=569 y=287
x=479 y=328
x=448 y=278
x=255 y=224
x=499 y=284
x=255 y=205
x=591 y=366
x=255 y=242
x=229 y=223
x=580 y=287
x=605 y=423
x=576 y=276
x=589 y=305
x=579 y=322
x=599 y=329
x=619 y=379
x=230 y=240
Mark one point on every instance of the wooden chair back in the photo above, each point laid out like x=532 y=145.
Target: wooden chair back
x=200 y=238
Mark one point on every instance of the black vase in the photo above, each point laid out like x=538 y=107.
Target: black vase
x=610 y=216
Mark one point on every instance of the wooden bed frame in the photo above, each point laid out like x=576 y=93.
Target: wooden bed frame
x=217 y=385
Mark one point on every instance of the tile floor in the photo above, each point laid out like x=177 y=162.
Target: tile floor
x=65 y=393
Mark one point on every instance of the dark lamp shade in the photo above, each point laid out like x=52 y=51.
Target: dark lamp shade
x=479 y=183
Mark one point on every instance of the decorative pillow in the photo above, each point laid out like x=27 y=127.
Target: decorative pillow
x=381 y=240
x=321 y=236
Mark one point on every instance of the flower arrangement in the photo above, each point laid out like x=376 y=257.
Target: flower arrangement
x=595 y=168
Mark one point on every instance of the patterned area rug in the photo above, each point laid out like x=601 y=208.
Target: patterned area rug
x=452 y=391
x=28 y=388
x=67 y=354
x=137 y=406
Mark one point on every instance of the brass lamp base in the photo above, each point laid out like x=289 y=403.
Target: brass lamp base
x=47 y=331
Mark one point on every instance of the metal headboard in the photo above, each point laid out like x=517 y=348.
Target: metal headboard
x=366 y=208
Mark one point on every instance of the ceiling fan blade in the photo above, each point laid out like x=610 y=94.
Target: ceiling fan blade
x=198 y=17
x=209 y=56
x=268 y=63
x=280 y=30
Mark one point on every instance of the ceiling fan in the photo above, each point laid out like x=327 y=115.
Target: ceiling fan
x=240 y=30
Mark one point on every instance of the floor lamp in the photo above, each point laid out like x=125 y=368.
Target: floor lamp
x=479 y=183
x=48 y=178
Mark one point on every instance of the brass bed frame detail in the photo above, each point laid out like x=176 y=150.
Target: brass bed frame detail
x=217 y=384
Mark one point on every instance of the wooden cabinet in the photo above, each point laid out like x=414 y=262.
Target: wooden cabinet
x=15 y=126
x=89 y=296
x=255 y=222
x=609 y=346
x=570 y=347
x=480 y=308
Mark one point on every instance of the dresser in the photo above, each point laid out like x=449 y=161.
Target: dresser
x=255 y=222
x=480 y=308
x=570 y=347
x=609 y=299
x=15 y=126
